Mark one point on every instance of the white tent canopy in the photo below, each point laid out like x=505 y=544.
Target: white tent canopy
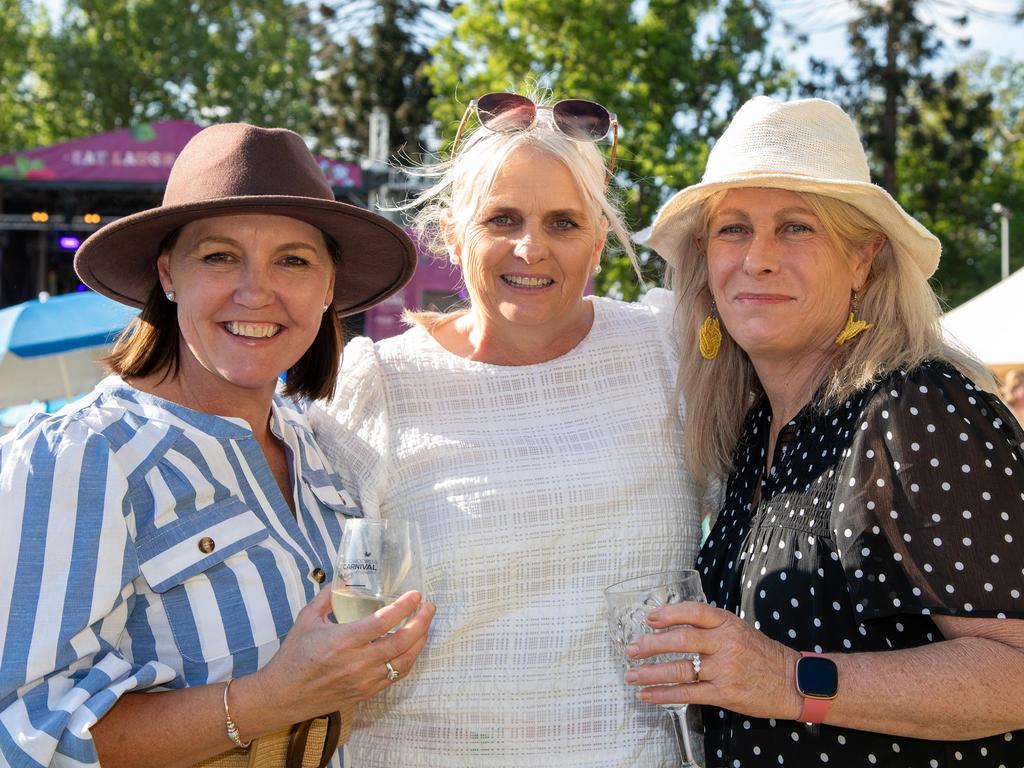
x=991 y=325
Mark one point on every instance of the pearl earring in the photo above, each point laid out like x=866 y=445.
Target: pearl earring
x=597 y=269
x=325 y=307
x=171 y=296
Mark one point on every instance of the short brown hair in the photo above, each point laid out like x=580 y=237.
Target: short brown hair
x=151 y=342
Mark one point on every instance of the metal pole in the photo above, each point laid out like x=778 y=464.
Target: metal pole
x=1005 y=237
x=41 y=263
x=1004 y=214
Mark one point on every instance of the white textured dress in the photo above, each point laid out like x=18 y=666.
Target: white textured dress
x=534 y=487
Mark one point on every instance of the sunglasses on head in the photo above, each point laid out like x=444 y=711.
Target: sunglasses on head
x=578 y=119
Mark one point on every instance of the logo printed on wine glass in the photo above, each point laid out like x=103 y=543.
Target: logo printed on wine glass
x=352 y=570
x=378 y=561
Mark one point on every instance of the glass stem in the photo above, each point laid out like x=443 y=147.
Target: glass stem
x=689 y=754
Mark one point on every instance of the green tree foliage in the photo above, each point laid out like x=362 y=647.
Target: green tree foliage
x=673 y=71
x=19 y=117
x=372 y=54
x=930 y=135
x=958 y=206
x=891 y=76
x=111 y=63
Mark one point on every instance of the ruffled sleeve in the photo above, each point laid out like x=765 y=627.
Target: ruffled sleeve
x=662 y=302
x=352 y=428
x=66 y=570
x=929 y=513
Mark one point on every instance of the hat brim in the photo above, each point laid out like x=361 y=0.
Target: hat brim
x=377 y=257
x=675 y=222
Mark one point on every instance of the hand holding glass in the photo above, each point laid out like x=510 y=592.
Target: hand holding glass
x=627 y=604
x=378 y=562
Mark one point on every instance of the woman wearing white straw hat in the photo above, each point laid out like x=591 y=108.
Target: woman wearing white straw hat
x=864 y=573
x=167 y=537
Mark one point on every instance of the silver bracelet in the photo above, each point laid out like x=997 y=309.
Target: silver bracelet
x=232 y=728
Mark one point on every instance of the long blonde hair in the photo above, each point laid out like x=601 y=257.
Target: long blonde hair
x=896 y=300
x=462 y=184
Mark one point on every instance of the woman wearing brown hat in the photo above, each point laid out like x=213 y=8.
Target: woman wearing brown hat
x=864 y=573
x=167 y=536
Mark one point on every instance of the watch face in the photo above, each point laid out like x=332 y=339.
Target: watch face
x=816 y=677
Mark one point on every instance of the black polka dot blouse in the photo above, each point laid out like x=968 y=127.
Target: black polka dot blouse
x=905 y=502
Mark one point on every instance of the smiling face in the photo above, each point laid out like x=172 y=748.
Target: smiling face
x=250 y=291
x=781 y=283
x=531 y=246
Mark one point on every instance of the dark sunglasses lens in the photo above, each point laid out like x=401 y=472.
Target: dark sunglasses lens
x=505 y=112
x=582 y=119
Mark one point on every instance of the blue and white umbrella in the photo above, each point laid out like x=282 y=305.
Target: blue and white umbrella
x=49 y=349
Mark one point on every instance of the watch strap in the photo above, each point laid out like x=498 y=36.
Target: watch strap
x=813 y=710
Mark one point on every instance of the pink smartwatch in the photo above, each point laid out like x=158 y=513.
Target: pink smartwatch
x=817 y=681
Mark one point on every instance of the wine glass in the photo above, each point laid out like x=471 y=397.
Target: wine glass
x=378 y=562
x=627 y=604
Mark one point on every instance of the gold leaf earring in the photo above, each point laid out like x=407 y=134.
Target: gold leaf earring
x=710 y=336
x=853 y=327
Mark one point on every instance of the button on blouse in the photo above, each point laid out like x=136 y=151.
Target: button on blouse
x=146 y=545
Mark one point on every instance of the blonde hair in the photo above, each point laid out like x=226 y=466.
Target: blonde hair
x=463 y=182
x=896 y=300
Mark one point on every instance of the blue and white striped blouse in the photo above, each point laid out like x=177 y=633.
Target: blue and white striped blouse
x=144 y=545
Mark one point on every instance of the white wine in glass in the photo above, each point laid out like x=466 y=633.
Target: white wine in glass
x=351 y=606
x=627 y=604
x=378 y=562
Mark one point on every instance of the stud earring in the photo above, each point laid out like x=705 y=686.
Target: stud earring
x=710 y=335
x=597 y=269
x=171 y=296
x=454 y=260
x=853 y=327
x=324 y=308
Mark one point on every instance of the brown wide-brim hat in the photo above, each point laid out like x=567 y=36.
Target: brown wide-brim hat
x=232 y=169
x=808 y=145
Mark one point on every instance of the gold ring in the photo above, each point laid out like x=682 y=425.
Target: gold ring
x=393 y=673
x=695 y=661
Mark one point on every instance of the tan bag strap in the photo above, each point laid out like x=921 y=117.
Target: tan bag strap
x=309 y=744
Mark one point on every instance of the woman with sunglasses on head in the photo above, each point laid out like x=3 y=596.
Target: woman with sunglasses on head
x=864 y=575
x=168 y=536
x=534 y=437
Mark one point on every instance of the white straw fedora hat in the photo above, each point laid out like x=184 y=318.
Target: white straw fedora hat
x=809 y=145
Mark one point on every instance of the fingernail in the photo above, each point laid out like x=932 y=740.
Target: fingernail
x=632 y=649
x=631 y=676
x=643 y=695
x=654 y=615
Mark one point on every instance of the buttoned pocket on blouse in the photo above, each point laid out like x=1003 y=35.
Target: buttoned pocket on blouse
x=204 y=568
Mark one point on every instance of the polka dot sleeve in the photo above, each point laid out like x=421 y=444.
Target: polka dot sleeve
x=929 y=514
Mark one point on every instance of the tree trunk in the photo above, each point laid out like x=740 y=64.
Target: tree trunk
x=892 y=87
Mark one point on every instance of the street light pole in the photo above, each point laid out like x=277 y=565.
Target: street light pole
x=1004 y=214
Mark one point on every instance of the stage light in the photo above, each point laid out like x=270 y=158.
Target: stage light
x=40 y=217
x=68 y=242
x=92 y=218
